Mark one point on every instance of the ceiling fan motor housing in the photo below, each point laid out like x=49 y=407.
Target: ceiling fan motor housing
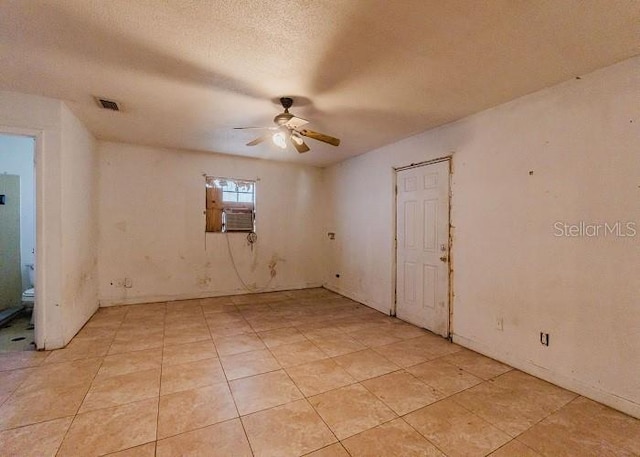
x=282 y=118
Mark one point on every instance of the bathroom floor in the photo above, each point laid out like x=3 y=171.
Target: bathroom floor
x=17 y=335
x=286 y=374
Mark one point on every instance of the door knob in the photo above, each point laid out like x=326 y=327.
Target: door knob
x=444 y=258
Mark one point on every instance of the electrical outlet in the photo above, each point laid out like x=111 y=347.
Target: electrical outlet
x=544 y=339
x=499 y=324
x=124 y=282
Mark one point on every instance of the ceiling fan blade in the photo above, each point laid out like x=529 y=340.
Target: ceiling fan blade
x=320 y=137
x=258 y=140
x=296 y=122
x=299 y=144
x=253 y=128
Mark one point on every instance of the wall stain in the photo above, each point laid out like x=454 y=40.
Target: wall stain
x=273 y=264
x=204 y=281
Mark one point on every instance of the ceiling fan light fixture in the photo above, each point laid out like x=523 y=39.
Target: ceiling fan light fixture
x=289 y=131
x=280 y=140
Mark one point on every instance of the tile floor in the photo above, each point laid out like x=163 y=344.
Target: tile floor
x=285 y=374
x=17 y=335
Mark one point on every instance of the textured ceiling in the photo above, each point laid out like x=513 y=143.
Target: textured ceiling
x=368 y=71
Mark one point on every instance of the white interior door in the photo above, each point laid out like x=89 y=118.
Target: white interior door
x=423 y=246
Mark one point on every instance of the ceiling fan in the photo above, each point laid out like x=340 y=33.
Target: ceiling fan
x=289 y=130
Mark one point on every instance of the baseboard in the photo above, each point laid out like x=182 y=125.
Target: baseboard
x=621 y=404
x=106 y=302
x=357 y=297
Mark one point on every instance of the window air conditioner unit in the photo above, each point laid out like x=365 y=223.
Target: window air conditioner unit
x=238 y=221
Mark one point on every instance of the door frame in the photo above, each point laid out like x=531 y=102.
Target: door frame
x=40 y=246
x=449 y=159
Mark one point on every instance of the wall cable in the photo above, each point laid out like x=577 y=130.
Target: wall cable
x=251 y=238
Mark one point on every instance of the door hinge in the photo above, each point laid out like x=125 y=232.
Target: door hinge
x=396 y=189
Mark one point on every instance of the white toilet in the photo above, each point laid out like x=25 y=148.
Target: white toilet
x=29 y=295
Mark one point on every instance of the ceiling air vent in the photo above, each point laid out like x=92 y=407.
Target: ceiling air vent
x=108 y=104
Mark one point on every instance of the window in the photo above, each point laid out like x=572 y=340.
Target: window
x=230 y=205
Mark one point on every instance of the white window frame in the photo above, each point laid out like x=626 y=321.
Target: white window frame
x=235 y=210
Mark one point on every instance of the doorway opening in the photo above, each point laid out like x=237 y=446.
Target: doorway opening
x=18 y=242
x=423 y=245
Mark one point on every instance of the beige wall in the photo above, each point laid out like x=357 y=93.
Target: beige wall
x=79 y=224
x=64 y=152
x=152 y=226
x=581 y=140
